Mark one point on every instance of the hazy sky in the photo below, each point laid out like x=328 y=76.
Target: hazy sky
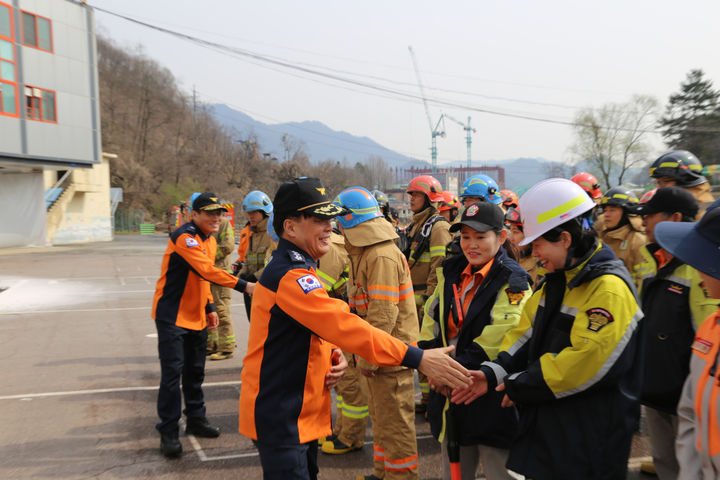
x=540 y=59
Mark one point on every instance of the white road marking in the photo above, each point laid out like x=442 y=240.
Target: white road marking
x=104 y=390
x=33 y=312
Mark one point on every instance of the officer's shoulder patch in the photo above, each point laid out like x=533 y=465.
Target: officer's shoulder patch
x=191 y=242
x=191 y=228
x=514 y=297
x=309 y=283
x=675 y=288
x=598 y=318
x=296 y=257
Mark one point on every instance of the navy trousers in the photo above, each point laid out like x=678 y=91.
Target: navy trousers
x=289 y=462
x=182 y=355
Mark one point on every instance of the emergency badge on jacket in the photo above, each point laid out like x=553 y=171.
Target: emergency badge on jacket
x=191 y=242
x=598 y=318
x=308 y=283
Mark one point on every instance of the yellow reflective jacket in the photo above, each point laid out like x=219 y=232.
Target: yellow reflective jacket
x=575 y=372
x=422 y=268
x=494 y=310
x=259 y=243
x=626 y=243
x=379 y=286
x=334 y=267
x=225 y=238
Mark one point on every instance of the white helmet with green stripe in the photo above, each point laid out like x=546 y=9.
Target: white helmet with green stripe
x=550 y=203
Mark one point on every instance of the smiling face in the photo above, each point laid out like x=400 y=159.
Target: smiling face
x=480 y=247
x=312 y=234
x=417 y=201
x=551 y=255
x=613 y=215
x=207 y=222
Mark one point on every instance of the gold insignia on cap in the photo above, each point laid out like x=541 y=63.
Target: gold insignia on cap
x=214 y=199
x=321 y=190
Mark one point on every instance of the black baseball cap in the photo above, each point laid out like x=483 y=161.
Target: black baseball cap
x=695 y=243
x=308 y=196
x=207 y=201
x=668 y=200
x=481 y=217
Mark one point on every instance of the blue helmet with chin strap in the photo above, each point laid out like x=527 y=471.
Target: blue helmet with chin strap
x=361 y=205
x=257 y=200
x=481 y=186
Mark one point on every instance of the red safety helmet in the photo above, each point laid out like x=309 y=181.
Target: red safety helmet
x=512 y=217
x=647 y=196
x=589 y=183
x=449 y=201
x=509 y=198
x=428 y=185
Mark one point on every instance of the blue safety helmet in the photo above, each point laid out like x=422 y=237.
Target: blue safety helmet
x=192 y=199
x=257 y=200
x=481 y=186
x=271 y=229
x=361 y=204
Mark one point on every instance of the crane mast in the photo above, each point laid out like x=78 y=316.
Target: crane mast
x=439 y=129
x=469 y=131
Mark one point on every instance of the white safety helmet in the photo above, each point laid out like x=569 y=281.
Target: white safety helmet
x=550 y=203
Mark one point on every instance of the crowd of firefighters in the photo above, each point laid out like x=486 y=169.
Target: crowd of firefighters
x=564 y=334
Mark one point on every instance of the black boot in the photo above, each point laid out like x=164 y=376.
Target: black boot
x=170 y=444
x=200 y=427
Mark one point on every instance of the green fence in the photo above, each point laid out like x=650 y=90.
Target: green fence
x=130 y=220
x=147 y=229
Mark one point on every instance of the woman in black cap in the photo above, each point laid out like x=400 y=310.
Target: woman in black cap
x=698 y=439
x=479 y=298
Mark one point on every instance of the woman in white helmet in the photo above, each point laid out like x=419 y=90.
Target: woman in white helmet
x=571 y=366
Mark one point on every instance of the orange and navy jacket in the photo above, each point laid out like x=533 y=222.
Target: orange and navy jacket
x=698 y=439
x=182 y=293
x=295 y=326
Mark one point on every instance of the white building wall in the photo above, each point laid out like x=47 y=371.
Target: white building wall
x=23 y=215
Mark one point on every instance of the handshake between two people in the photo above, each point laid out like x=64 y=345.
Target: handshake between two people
x=471 y=392
x=436 y=364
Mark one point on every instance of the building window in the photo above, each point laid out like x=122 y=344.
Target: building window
x=37 y=31
x=40 y=104
x=8 y=78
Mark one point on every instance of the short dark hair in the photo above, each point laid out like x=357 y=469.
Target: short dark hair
x=279 y=220
x=582 y=239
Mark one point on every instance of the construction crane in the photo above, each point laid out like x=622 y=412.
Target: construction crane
x=470 y=131
x=439 y=129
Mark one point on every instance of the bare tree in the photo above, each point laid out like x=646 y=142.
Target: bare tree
x=614 y=137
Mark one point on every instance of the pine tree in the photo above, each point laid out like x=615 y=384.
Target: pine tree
x=692 y=117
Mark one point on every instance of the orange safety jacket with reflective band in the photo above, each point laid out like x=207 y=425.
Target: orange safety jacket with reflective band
x=182 y=293
x=244 y=236
x=698 y=438
x=295 y=326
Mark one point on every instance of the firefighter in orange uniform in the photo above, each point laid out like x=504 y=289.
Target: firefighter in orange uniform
x=182 y=309
x=291 y=361
x=380 y=290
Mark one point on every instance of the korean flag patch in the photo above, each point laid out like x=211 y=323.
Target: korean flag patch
x=191 y=242
x=309 y=283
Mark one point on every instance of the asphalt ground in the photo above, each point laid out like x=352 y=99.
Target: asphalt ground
x=80 y=375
